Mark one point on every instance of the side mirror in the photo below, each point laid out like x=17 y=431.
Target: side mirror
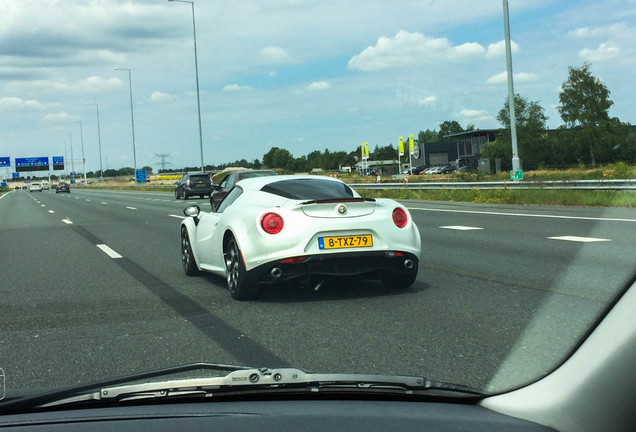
x=193 y=211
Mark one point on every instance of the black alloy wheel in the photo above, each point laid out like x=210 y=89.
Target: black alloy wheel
x=187 y=257
x=236 y=275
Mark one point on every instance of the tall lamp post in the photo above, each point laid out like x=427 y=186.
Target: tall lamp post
x=82 y=141
x=196 y=71
x=132 y=116
x=99 y=142
x=511 y=92
x=70 y=139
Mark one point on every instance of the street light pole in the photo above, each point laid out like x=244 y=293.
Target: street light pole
x=99 y=142
x=511 y=92
x=132 y=116
x=83 y=158
x=196 y=71
x=70 y=139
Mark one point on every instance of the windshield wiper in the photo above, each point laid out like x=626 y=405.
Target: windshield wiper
x=29 y=403
x=242 y=381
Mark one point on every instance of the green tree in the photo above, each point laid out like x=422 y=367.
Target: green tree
x=531 y=132
x=427 y=136
x=448 y=127
x=148 y=169
x=585 y=105
x=386 y=152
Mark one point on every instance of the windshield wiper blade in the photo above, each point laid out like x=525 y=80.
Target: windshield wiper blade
x=241 y=380
x=31 y=402
x=263 y=380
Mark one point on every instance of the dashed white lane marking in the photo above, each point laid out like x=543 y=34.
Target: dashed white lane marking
x=132 y=208
x=108 y=251
x=580 y=239
x=461 y=228
x=177 y=216
x=104 y=202
x=67 y=221
x=51 y=211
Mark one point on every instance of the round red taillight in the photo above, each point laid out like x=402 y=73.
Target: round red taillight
x=399 y=217
x=272 y=223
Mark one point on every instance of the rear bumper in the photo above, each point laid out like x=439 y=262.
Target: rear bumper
x=366 y=264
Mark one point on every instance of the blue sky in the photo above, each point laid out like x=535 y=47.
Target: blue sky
x=301 y=75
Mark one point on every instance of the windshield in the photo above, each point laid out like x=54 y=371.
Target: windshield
x=486 y=273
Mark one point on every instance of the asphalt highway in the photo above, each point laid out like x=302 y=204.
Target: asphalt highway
x=92 y=287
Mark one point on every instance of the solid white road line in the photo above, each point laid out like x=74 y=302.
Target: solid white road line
x=523 y=214
x=461 y=227
x=108 y=251
x=177 y=216
x=580 y=239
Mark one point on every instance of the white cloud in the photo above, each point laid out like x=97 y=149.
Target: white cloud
x=235 y=87
x=319 y=85
x=408 y=49
x=159 y=97
x=60 y=117
x=16 y=103
x=518 y=77
x=276 y=55
x=498 y=49
x=473 y=115
x=612 y=30
x=92 y=84
x=604 y=52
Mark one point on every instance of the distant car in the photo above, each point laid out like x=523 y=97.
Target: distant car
x=45 y=185
x=221 y=190
x=62 y=187
x=35 y=187
x=192 y=184
x=433 y=170
x=447 y=169
x=307 y=228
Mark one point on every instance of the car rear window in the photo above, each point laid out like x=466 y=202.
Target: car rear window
x=200 y=178
x=309 y=189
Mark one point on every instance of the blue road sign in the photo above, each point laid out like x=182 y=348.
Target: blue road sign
x=141 y=176
x=32 y=164
x=5 y=162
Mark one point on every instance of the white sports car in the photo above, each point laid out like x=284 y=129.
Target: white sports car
x=270 y=230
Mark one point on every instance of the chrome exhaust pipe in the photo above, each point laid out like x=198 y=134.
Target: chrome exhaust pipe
x=408 y=264
x=276 y=272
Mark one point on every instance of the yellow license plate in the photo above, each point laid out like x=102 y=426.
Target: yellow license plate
x=350 y=241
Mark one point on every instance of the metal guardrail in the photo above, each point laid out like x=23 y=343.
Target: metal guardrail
x=629 y=184
x=523 y=184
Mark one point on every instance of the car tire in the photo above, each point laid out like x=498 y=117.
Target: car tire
x=187 y=257
x=176 y=194
x=236 y=275
x=201 y=196
x=398 y=281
